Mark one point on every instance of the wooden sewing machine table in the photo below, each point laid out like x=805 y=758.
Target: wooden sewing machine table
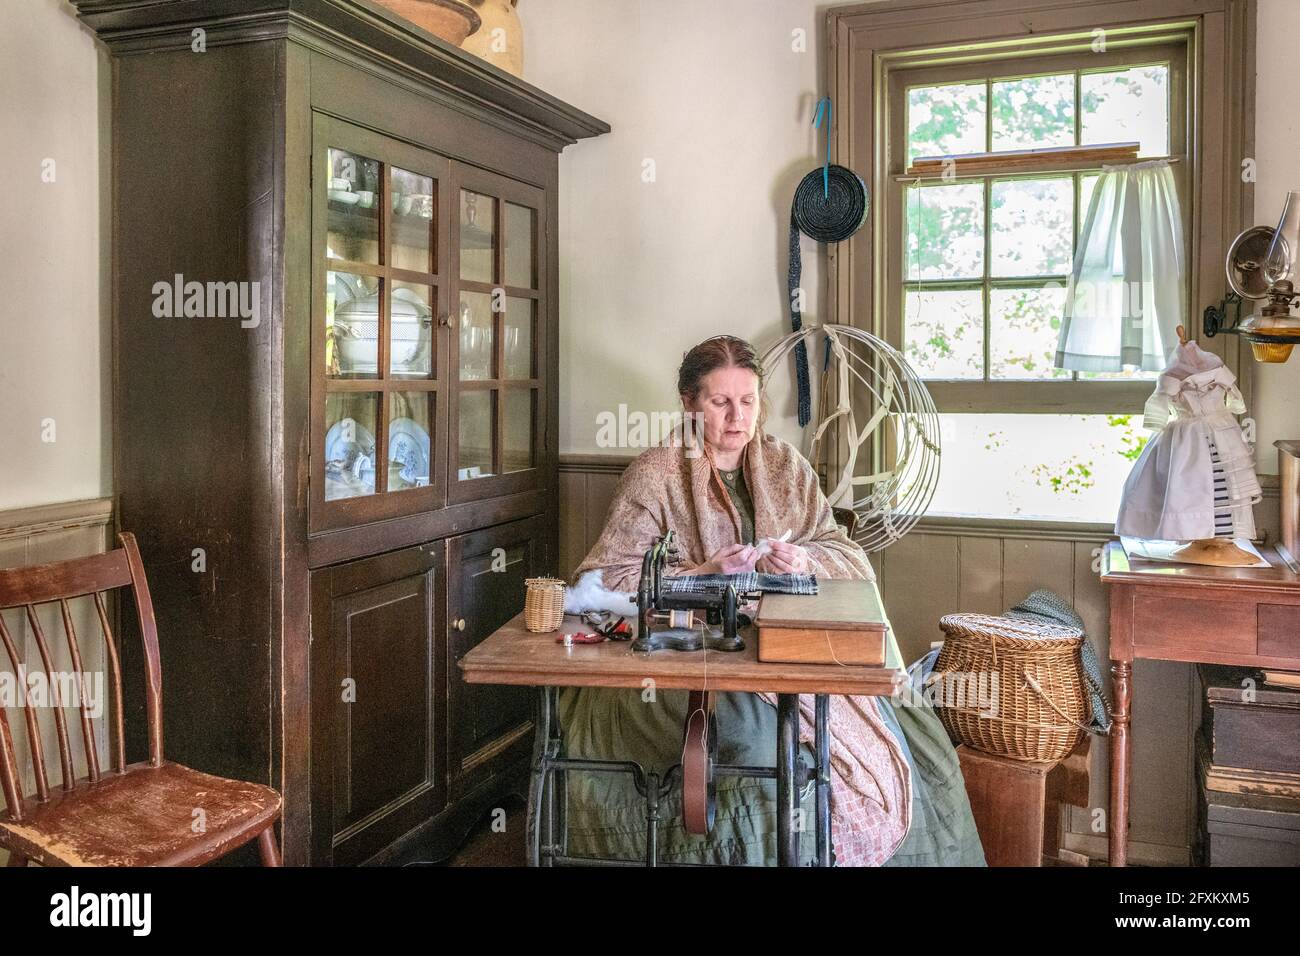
x=514 y=655
x=1244 y=617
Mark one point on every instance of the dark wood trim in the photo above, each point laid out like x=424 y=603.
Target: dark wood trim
x=595 y=464
x=346 y=544
x=363 y=32
x=863 y=37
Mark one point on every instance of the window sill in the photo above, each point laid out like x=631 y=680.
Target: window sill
x=1009 y=526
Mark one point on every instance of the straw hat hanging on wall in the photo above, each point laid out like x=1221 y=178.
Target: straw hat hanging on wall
x=500 y=40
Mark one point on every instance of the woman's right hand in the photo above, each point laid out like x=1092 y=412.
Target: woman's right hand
x=733 y=559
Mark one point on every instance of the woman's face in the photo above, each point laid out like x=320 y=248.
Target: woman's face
x=728 y=406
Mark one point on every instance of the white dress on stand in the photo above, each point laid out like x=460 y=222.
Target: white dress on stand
x=1195 y=479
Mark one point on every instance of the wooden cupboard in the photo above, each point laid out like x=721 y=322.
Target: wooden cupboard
x=335 y=400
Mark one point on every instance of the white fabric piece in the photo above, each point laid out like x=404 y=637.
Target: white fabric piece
x=764 y=545
x=1169 y=494
x=1128 y=292
x=590 y=594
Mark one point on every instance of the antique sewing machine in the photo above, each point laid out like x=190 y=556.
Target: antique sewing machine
x=683 y=621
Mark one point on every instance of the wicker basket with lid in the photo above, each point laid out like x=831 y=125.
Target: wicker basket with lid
x=1040 y=704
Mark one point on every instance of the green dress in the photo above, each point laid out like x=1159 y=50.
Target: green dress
x=606 y=816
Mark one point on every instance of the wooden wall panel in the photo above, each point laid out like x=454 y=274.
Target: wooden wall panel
x=980 y=587
x=37 y=536
x=573 y=521
x=922 y=578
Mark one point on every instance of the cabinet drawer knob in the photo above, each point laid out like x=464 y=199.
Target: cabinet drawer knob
x=460 y=624
x=446 y=321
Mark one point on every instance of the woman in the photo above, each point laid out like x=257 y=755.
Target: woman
x=722 y=485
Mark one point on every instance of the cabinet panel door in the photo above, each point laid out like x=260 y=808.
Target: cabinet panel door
x=375 y=665
x=489 y=725
x=497 y=353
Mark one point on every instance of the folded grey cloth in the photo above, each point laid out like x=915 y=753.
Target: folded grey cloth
x=745 y=583
x=1049 y=607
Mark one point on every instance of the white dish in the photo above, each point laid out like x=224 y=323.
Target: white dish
x=344 y=196
x=408 y=453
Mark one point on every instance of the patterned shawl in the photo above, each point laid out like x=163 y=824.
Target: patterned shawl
x=677 y=486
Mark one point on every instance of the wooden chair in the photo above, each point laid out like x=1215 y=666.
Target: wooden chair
x=847 y=519
x=144 y=814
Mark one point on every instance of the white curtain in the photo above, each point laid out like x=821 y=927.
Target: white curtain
x=1128 y=289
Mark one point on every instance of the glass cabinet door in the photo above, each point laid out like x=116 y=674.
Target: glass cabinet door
x=380 y=218
x=498 y=283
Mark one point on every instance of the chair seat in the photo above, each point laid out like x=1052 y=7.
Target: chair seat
x=142 y=817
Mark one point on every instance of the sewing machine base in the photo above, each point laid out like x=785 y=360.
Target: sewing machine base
x=687 y=639
x=547 y=824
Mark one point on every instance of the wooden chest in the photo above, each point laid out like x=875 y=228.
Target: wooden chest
x=1248 y=725
x=1245 y=829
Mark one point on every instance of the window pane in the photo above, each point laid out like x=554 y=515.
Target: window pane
x=519 y=337
x=1033 y=113
x=350 y=444
x=946 y=120
x=944 y=331
x=1023 y=328
x=351 y=325
x=414 y=201
x=1032 y=221
x=1065 y=467
x=411 y=339
x=517 y=443
x=1125 y=106
x=476 y=335
x=478 y=217
x=408 y=439
x=1086 y=183
x=945 y=231
x=475 y=433
x=354 y=198
x=519 y=246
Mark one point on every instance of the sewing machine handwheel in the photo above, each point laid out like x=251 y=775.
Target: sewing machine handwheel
x=699 y=754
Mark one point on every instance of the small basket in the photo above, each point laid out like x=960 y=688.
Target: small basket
x=1041 y=704
x=544 y=604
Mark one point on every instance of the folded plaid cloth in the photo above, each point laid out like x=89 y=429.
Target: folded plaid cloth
x=745 y=583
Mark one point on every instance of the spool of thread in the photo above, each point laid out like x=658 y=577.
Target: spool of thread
x=683 y=619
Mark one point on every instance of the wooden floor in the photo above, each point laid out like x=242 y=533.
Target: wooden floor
x=486 y=846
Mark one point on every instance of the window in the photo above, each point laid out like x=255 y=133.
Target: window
x=978 y=250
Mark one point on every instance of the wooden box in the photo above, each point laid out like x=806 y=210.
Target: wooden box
x=1017 y=803
x=843 y=624
x=1245 y=829
x=1259 y=732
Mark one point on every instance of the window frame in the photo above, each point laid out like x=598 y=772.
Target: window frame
x=867 y=41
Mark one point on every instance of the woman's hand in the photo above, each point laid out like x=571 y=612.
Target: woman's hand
x=784 y=558
x=733 y=559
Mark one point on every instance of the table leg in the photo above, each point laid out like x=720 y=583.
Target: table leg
x=545 y=737
x=822 y=741
x=787 y=790
x=1117 y=825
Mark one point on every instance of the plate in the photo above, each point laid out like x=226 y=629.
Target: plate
x=345 y=197
x=346 y=439
x=408 y=453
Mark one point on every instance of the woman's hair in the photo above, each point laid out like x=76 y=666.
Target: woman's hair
x=721 y=351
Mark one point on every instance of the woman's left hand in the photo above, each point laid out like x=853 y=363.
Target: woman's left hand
x=784 y=558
